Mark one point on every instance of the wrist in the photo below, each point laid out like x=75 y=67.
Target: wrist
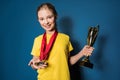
x=82 y=53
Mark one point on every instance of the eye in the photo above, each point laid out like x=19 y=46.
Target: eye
x=51 y=16
x=41 y=19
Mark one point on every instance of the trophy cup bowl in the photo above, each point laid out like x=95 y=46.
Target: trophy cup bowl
x=92 y=34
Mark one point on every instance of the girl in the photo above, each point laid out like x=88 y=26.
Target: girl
x=51 y=50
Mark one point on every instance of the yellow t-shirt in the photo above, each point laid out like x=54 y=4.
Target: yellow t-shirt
x=58 y=58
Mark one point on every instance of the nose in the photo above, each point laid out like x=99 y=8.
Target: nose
x=46 y=21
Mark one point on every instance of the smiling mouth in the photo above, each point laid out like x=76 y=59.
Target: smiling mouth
x=48 y=26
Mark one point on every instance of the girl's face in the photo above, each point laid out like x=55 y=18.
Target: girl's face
x=46 y=19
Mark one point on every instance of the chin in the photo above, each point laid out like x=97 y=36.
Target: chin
x=50 y=29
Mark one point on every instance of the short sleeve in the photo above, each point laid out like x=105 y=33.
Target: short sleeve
x=36 y=48
x=70 y=47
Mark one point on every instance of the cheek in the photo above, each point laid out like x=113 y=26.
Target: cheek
x=41 y=22
x=52 y=20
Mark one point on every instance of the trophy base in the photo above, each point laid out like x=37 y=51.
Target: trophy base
x=86 y=64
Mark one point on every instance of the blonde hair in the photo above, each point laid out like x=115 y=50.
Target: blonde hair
x=48 y=6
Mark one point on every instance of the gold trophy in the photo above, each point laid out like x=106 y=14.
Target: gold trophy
x=92 y=34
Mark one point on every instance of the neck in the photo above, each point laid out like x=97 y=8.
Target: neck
x=50 y=32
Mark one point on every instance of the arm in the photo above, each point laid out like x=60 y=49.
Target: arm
x=86 y=51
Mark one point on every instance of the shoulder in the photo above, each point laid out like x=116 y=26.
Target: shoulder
x=38 y=38
x=63 y=36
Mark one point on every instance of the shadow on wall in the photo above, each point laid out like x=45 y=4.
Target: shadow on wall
x=99 y=57
x=66 y=26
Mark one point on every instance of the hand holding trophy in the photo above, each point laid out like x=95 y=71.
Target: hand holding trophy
x=92 y=34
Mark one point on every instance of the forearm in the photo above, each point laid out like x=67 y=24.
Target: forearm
x=86 y=51
x=75 y=58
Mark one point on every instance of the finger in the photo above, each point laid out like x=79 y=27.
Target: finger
x=30 y=63
x=90 y=54
x=43 y=66
x=91 y=48
x=86 y=55
x=34 y=66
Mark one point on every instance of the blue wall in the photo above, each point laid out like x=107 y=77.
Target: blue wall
x=19 y=27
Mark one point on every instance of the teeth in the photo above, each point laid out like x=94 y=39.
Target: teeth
x=47 y=26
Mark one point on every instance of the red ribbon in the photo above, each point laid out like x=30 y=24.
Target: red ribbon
x=45 y=48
